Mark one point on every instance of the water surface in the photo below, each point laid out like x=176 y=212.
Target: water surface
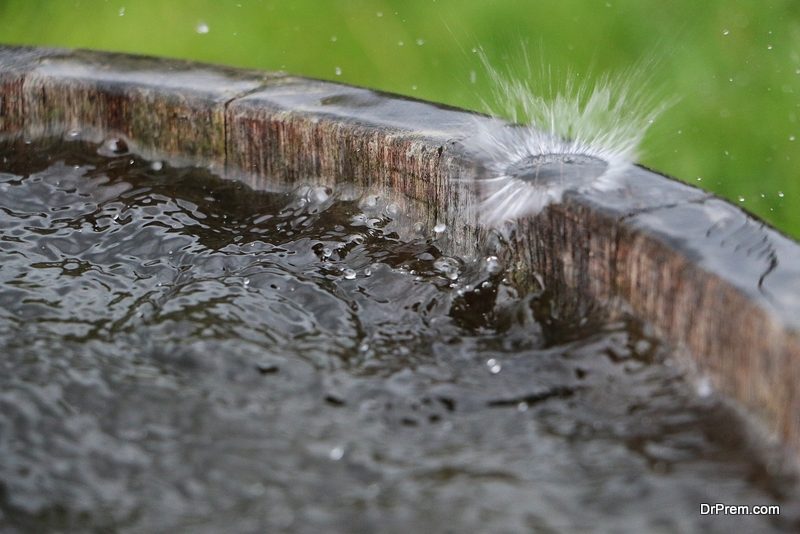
x=181 y=353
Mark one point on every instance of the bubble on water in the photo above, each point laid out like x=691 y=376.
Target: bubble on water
x=318 y=195
x=522 y=406
x=156 y=165
x=449 y=267
x=338 y=71
x=113 y=147
x=440 y=227
x=72 y=134
x=368 y=271
x=349 y=274
x=494 y=366
x=336 y=453
x=202 y=28
x=246 y=282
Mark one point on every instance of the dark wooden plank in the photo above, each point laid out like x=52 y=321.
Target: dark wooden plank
x=175 y=109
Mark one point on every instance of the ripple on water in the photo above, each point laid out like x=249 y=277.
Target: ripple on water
x=181 y=352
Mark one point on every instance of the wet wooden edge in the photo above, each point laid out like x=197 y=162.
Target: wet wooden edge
x=710 y=279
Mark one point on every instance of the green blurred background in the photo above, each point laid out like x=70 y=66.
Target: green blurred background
x=734 y=66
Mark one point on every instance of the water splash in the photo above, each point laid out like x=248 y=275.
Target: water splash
x=566 y=133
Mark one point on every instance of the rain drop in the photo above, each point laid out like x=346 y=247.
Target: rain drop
x=336 y=453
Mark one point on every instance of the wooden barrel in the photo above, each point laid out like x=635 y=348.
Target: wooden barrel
x=716 y=283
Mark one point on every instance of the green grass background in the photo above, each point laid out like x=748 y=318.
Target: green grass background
x=732 y=65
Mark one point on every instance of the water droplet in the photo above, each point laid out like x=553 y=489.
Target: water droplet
x=704 y=387
x=336 y=453
x=246 y=282
x=367 y=272
x=741 y=199
x=699 y=178
x=392 y=209
x=493 y=265
x=202 y=28
x=379 y=14
x=413 y=87
x=420 y=42
x=349 y=274
x=72 y=134
x=156 y=165
x=726 y=32
x=473 y=76
x=494 y=366
x=769 y=47
x=439 y=228
x=522 y=407
x=334 y=38
x=792 y=138
x=400 y=43
x=122 y=12
x=338 y=71
x=780 y=194
x=318 y=195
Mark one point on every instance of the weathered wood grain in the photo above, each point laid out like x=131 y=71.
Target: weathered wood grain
x=706 y=276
